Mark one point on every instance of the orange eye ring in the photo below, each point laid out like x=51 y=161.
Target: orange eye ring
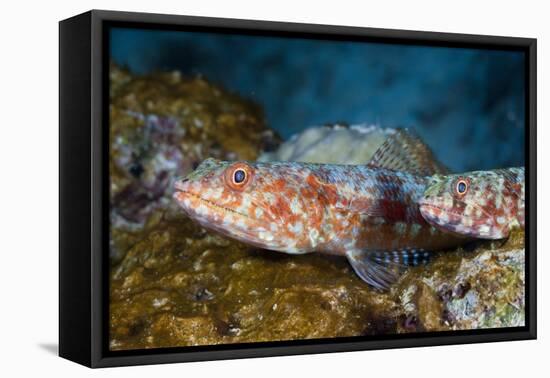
x=238 y=176
x=461 y=186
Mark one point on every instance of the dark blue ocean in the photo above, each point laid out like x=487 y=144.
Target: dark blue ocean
x=467 y=104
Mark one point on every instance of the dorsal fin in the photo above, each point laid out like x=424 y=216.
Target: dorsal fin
x=405 y=152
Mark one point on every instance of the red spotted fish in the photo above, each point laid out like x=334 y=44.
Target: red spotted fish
x=368 y=213
x=482 y=204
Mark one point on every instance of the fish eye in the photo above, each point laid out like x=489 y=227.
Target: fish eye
x=461 y=187
x=239 y=176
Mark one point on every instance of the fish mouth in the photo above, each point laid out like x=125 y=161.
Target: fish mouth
x=214 y=220
x=432 y=214
x=187 y=200
x=427 y=206
x=180 y=185
x=211 y=214
x=454 y=221
x=427 y=210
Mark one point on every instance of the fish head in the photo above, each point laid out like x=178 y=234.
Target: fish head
x=467 y=204
x=257 y=203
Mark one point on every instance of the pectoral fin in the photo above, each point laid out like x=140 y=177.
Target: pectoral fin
x=383 y=269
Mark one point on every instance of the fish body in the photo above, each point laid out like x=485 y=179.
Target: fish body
x=367 y=213
x=299 y=208
x=480 y=204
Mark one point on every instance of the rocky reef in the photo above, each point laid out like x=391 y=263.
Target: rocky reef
x=172 y=283
x=181 y=285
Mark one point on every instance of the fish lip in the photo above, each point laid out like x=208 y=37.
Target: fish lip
x=180 y=193
x=179 y=196
x=425 y=207
x=425 y=210
x=428 y=205
x=180 y=186
x=422 y=203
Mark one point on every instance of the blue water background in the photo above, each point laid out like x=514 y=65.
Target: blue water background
x=467 y=104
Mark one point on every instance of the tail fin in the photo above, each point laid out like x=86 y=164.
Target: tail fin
x=382 y=269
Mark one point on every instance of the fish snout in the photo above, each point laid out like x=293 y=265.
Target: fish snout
x=181 y=190
x=182 y=184
x=422 y=202
x=429 y=211
x=425 y=204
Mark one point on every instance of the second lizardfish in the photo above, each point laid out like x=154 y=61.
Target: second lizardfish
x=481 y=204
x=367 y=213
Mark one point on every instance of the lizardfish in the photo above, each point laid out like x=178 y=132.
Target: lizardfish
x=481 y=204
x=367 y=213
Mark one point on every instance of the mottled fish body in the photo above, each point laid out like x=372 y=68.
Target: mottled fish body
x=368 y=213
x=299 y=208
x=480 y=204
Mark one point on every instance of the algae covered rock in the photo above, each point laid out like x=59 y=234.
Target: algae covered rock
x=180 y=285
x=461 y=290
x=183 y=286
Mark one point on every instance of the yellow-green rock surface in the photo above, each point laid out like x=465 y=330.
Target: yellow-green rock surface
x=181 y=285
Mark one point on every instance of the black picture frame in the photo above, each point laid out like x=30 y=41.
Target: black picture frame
x=83 y=196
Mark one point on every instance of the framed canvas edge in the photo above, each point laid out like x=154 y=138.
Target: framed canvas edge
x=531 y=188
x=74 y=189
x=99 y=127
x=260 y=351
x=422 y=37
